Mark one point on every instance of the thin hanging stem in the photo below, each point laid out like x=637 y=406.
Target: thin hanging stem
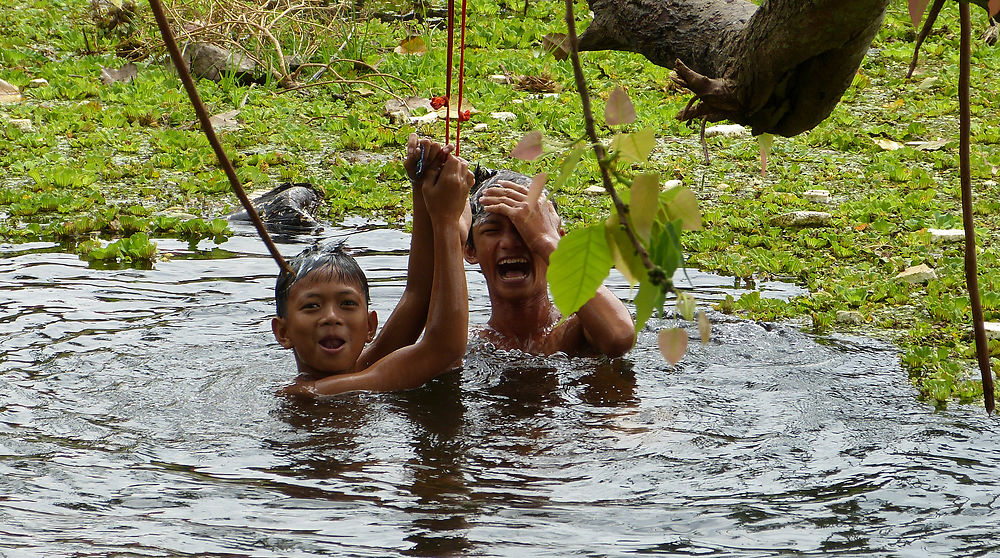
x=447 y=87
x=655 y=274
x=206 y=126
x=971 y=269
x=461 y=80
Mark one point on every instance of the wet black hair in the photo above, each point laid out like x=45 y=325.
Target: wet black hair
x=330 y=258
x=487 y=178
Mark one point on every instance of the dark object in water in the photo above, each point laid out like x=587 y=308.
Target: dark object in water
x=288 y=208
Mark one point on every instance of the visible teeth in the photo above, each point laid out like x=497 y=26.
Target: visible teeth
x=513 y=261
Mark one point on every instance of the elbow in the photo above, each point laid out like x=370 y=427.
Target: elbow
x=618 y=344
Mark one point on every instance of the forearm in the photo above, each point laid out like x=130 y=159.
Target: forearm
x=448 y=312
x=607 y=323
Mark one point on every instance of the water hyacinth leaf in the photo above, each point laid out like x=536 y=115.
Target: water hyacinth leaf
x=619 y=109
x=685 y=305
x=681 y=203
x=535 y=190
x=529 y=148
x=569 y=164
x=412 y=46
x=766 y=140
x=634 y=147
x=673 y=344
x=623 y=254
x=645 y=202
x=649 y=298
x=704 y=327
x=917 y=8
x=577 y=267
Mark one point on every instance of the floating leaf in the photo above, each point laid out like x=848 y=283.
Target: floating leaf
x=529 y=148
x=704 y=327
x=619 y=109
x=557 y=44
x=577 y=268
x=685 y=305
x=765 y=149
x=124 y=74
x=645 y=202
x=225 y=121
x=635 y=147
x=535 y=191
x=9 y=93
x=568 y=166
x=887 y=144
x=917 y=8
x=412 y=46
x=673 y=344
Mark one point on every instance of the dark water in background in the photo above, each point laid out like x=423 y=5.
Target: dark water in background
x=137 y=418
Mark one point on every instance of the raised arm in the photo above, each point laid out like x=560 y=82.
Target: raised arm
x=607 y=323
x=446 y=337
x=424 y=158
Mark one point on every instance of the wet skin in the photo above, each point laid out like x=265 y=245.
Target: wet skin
x=327 y=325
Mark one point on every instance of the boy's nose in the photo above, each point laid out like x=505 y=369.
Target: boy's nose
x=330 y=315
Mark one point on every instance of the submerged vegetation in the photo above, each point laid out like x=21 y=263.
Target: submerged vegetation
x=106 y=167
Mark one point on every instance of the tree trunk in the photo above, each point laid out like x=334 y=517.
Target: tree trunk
x=779 y=68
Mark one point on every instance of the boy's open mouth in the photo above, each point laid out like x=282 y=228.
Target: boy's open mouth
x=513 y=268
x=331 y=343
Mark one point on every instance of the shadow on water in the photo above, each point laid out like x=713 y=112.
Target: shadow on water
x=138 y=417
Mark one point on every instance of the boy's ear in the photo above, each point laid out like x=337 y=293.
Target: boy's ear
x=372 y=325
x=279 y=328
x=470 y=253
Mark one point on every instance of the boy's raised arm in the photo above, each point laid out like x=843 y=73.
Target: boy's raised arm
x=424 y=158
x=446 y=335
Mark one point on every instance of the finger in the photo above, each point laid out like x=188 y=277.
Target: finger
x=513 y=186
x=496 y=191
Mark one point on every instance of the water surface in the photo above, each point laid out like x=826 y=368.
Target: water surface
x=138 y=418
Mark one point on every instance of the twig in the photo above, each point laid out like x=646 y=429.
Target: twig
x=206 y=126
x=656 y=275
x=971 y=269
x=924 y=31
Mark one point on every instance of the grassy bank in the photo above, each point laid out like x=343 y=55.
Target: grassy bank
x=82 y=159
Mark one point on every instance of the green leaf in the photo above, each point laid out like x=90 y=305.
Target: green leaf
x=665 y=248
x=619 y=109
x=681 y=203
x=645 y=202
x=634 y=147
x=685 y=305
x=577 y=268
x=568 y=166
x=623 y=254
x=650 y=297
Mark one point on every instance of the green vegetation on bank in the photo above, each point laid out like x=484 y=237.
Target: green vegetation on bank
x=104 y=167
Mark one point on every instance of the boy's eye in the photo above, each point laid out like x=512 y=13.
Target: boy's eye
x=349 y=302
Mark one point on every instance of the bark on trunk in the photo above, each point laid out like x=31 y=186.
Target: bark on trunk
x=779 y=68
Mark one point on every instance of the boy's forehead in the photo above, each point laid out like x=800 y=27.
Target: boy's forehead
x=325 y=279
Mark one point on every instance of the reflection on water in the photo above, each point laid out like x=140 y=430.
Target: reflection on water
x=137 y=417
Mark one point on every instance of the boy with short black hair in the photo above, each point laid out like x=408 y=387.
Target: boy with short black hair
x=322 y=310
x=511 y=239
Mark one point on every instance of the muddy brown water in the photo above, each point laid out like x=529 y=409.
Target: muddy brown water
x=138 y=418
